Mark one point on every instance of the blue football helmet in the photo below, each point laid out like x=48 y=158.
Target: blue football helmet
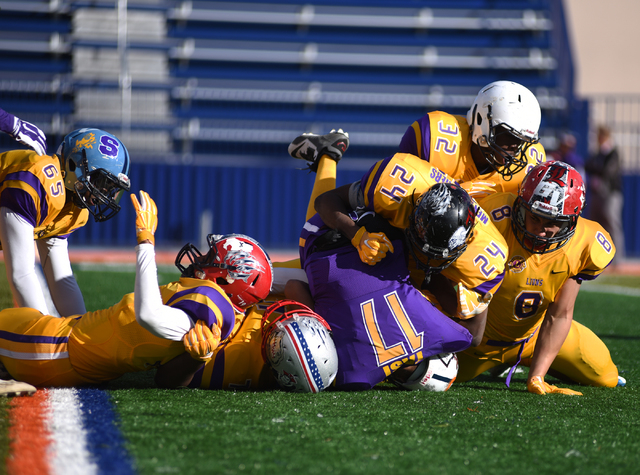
x=96 y=169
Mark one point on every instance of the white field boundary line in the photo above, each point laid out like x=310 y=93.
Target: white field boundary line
x=120 y=267
x=611 y=289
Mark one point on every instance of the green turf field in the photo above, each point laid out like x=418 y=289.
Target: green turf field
x=479 y=427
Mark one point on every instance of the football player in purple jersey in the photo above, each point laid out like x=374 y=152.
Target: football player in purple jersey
x=380 y=321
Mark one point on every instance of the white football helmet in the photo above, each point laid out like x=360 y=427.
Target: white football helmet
x=504 y=121
x=299 y=348
x=436 y=374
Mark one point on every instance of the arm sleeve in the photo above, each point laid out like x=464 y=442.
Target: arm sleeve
x=151 y=314
x=20 y=256
x=65 y=293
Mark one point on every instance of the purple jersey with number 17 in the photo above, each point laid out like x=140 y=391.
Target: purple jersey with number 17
x=379 y=320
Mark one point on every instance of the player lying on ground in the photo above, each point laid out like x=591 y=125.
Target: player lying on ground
x=380 y=321
x=174 y=328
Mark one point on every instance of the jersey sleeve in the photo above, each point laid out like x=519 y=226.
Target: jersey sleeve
x=392 y=186
x=205 y=302
x=598 y=249
x=417 y=139
x=31 y=186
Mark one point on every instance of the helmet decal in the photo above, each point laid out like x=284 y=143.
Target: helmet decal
x=240 y=261
x=554 y=191
x=459 y=238
x=87 y=141
x=96 y=168
x=438 y=201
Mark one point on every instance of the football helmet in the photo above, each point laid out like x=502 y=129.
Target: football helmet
x=440 y=226
x=436 y=373
x=551 y=190
x=504 y=120
x=299 y=348
x=237 y=263
x=96 y=169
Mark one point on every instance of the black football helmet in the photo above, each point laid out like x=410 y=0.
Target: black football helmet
x=440 y=227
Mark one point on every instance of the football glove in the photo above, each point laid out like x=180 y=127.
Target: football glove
x=29 y=135
x=372 y=247
x=146 y=217
x=536 y=385
x=201 y=341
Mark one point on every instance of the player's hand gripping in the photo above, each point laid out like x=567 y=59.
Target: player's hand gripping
x=201 y=341
x=146 y=217
x=536 y=385
x=29 y=135
x=372 y=247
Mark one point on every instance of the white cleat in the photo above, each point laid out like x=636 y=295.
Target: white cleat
x=11 y=387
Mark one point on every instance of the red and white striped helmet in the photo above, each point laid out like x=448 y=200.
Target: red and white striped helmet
x=551 y=190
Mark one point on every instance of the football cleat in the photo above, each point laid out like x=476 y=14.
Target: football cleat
x=312 y=147
x=621 y=381
x=11 y=387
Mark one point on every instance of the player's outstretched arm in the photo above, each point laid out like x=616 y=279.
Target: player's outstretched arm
x=151 y=313
x=299 y=291
x=24 y=132
x=553 y=332
x=333 y=207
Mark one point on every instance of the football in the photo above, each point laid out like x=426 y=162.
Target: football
x=436 y=373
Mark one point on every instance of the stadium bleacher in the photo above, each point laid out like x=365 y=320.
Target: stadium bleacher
x=218 y=89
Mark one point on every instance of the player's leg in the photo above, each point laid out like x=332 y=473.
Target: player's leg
x=33 y=348
x=585 y=359
x=471 y=365
x=323 y=152
x=476 y=360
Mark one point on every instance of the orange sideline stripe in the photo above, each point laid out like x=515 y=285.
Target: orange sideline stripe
x=29 y=435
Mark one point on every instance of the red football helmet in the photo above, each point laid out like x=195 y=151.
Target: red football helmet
x=551 y=190
x=235 y=262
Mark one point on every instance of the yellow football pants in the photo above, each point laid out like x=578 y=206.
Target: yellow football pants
x=583 y=358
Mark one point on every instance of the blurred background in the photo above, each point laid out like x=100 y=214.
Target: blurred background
x=207 y=95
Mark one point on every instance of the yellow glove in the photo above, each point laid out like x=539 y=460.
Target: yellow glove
x=372 y=247
x=146 y=217
x=536 y=385
x=201 y=340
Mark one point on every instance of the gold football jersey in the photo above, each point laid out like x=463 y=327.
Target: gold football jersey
x=32 y=186
x=449 y=150
x=531 y=281
x=391 y=189
x=108 y=343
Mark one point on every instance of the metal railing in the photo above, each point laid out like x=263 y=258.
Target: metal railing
x=621 y=113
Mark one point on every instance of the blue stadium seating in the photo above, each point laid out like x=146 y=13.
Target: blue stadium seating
x=245 y=77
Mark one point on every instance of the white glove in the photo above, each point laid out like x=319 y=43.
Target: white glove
x=29 y=135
